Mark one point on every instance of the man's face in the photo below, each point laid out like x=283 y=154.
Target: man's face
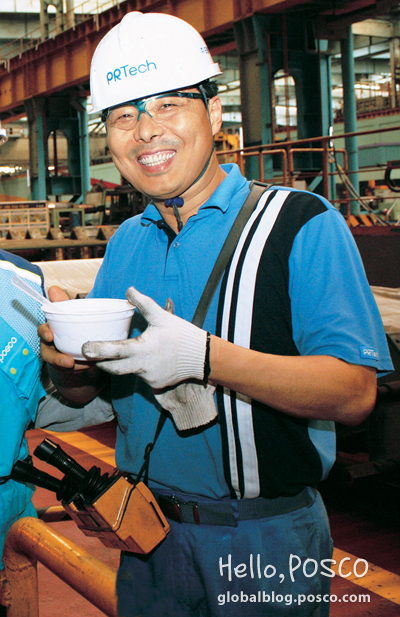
x=167 y=147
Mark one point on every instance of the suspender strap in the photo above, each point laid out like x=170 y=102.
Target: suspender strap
x=144 y=470
x=256 y=190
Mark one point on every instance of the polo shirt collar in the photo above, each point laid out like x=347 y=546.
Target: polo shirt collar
x=219 y=199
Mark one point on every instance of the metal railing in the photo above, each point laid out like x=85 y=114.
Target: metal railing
x=30 y=540
x=333 y=167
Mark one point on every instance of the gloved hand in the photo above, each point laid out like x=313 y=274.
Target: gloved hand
x=169 y=351
x=191 y=404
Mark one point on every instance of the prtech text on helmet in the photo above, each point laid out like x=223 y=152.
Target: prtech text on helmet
x=146 y=54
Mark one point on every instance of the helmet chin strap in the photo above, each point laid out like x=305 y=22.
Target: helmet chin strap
x=175 y=203
x=178 y=201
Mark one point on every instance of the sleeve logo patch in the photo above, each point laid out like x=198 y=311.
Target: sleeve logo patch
x=369 y=353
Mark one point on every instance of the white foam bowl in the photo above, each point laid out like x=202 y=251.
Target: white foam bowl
x=90 y=319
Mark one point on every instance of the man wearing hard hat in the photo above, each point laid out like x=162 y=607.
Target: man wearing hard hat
x=290 y=341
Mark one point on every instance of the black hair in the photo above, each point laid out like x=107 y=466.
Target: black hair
x=209 y=87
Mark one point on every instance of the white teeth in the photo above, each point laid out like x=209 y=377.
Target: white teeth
x=155 y=159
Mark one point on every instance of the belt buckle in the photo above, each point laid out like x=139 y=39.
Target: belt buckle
x=171 y=507
x=195 y=507
x=175 y=508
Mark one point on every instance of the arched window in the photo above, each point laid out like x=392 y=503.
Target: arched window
x=284 y=106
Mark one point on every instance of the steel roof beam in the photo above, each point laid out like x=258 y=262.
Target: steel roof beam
x=63 y=62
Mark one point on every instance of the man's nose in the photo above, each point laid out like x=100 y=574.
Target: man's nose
x=147 y=128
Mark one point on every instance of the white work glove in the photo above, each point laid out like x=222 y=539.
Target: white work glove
x=169 y=351
x=191 y=404
x=164 y=351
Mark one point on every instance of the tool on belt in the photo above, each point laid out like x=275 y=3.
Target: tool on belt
x=120 y=513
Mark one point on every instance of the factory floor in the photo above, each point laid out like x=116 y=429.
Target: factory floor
x=357 y=534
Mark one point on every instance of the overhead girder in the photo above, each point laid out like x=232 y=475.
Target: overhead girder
x=63 y=62
x=54 y=65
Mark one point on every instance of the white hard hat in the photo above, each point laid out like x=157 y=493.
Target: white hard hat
x=145 y=54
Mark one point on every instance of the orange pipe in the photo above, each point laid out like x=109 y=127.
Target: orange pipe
x=52 y=514
x=30 y=540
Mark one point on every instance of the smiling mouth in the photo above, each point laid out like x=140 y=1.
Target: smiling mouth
x=151 y=160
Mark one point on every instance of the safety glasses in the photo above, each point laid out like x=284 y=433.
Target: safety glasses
x=161 y=108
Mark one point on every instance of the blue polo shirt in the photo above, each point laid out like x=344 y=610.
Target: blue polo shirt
x=142 y=255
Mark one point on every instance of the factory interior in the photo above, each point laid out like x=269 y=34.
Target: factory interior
x=310 y=94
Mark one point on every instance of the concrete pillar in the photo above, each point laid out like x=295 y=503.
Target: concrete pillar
x=37 y=146
x=45 y=20
x=395 y=70
x=350 y=112
x=326 y=104
x=70 y=14
x=84 y=147
x=255 y=89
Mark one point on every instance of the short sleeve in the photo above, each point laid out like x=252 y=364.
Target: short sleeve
x=333 y=309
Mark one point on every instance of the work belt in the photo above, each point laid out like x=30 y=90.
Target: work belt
x=230 y=512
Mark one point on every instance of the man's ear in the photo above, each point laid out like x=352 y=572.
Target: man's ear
x=215 y=112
